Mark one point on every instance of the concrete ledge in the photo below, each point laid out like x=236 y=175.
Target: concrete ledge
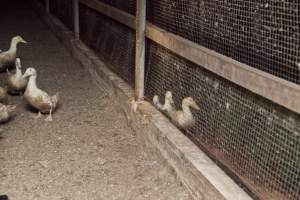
x=200 y=175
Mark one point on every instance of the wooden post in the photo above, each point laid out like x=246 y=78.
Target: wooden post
x=47 y=5
x=140 y=49
x=76 y=18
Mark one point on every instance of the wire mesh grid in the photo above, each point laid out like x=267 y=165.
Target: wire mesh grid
x=127 y=6
x=262 y=34
x=113 y=42
x=252 y=138
x=63 y=9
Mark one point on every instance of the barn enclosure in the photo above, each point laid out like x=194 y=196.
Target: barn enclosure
x=238 y=59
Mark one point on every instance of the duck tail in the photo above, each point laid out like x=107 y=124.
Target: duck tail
x=157 y=103
x=55 y=99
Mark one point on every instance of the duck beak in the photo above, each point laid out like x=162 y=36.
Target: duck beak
x=23 y=41
x=25 y=75
x=196 y=106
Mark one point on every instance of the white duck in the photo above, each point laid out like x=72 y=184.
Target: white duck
x=16 y=82
x=169 y=103
x=184 y=118
x=37 y=97
x=6 y=112
x=8 y=57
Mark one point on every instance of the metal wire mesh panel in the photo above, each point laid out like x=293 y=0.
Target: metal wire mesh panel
x=262 y=34
x=113 y=42
x=250 y=137
x=63 y=9
x=125 y=5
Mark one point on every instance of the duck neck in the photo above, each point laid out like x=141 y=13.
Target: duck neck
x=167 y=103
x=32 y=82
x=186 y=109
x=18 y=72
x=13 y=46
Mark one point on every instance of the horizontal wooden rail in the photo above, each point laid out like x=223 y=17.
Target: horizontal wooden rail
x=278 y=90
x=114 y=13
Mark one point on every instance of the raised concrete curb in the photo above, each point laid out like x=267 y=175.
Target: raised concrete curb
x=200 y=175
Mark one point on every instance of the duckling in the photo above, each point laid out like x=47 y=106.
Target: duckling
x=8 y=57
x=16 y=82
x=184 y=118
x=37 y=97
x=6 y=112
x=3 y=94
x=169 y=102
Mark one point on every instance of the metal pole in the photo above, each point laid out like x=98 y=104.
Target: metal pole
x=76 y=18
x=140 y=49
x=47 y=3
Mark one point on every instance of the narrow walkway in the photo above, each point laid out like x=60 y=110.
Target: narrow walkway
x=88 y=152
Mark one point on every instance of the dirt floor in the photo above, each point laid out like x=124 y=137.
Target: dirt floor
x=88 y=152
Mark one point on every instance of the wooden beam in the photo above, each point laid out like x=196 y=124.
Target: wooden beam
x=140 y=49
x=76 y=18
x=114 y=13
x=278 y=90
x=47 y=5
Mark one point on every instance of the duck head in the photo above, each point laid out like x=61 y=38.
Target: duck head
x=18 y=39
x=169 y=97
x=190 y=102
x=29 y=72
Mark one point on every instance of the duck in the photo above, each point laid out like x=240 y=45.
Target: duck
x=16 y=82
x=6 y=112
x=38 y=98
x=3 y=94
x=169 y=105
x=8 y=57
x=184 y=118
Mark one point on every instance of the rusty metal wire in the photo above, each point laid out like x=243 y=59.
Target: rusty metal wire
x=113 y=42
x=250 y=137
x=262 y=34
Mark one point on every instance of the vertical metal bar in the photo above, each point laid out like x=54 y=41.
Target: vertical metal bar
x=140 y=49
x=76 y=18
x=47 y=5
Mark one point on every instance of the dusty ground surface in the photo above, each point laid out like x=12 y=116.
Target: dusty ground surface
x=88 y=152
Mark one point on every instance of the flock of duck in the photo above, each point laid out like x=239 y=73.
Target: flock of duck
x=181 y=118
x=18 y=84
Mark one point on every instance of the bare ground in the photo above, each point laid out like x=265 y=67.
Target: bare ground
x=88 y=152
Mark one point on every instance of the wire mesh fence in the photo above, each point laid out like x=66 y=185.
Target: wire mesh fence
x=252 y=139
x=262 y=34
x=63 y=9
x=113 y=42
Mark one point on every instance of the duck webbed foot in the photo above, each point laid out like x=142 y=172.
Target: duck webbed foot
x=49 y=118
x=39 y=115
